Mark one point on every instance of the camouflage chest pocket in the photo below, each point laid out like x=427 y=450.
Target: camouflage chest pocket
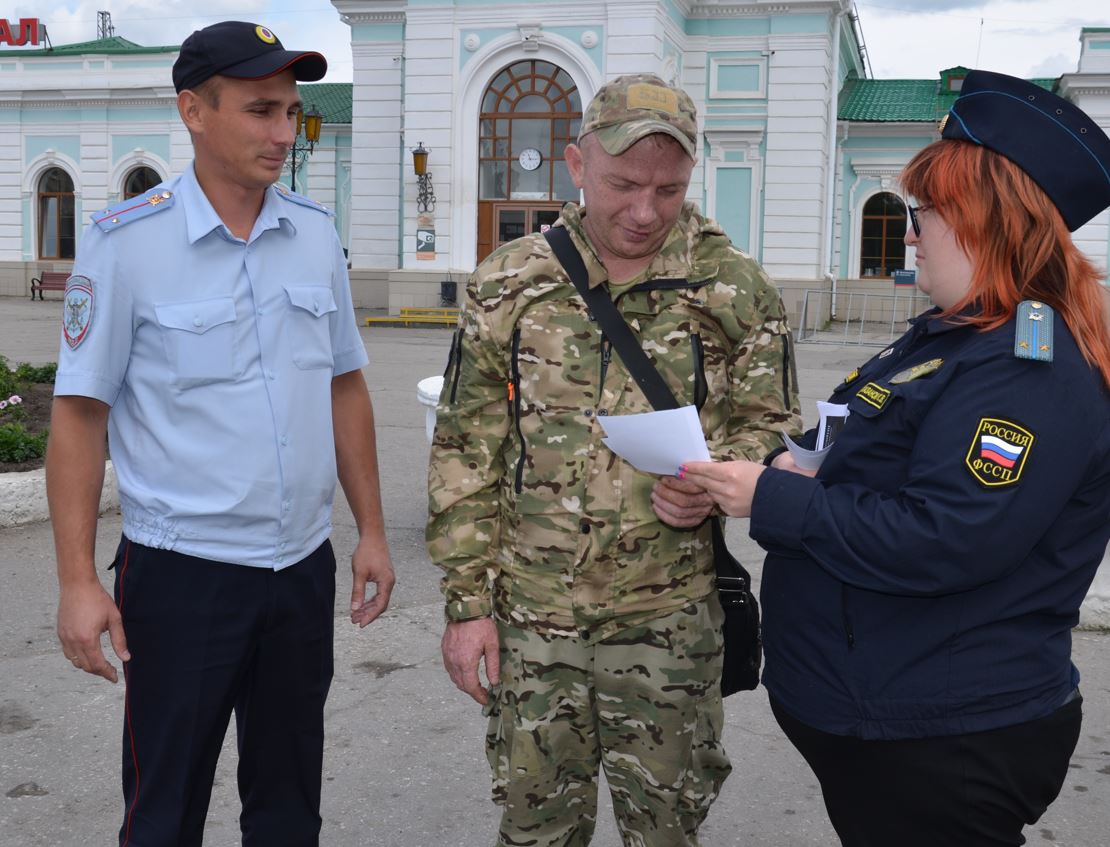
x=680 y=337
x=553 y=376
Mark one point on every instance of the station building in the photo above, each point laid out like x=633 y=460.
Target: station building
x=798 y=154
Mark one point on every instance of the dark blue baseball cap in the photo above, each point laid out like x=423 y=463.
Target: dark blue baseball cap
x=1052 y=140
x=243 y=51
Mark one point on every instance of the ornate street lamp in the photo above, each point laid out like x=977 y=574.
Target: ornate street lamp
x=425 y=195
x=308 y=129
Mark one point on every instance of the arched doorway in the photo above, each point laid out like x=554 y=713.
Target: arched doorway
x=530 y=112
x=882 y=250
x=139 y=181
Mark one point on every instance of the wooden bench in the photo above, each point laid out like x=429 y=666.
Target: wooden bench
x=49 y=281
x=419 y=315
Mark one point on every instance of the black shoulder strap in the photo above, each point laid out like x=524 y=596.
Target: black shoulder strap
x=612 y=324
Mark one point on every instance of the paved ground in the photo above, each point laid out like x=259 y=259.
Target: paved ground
x=404 y=764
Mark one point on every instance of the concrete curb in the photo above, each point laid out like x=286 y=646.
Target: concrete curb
x=23 y=496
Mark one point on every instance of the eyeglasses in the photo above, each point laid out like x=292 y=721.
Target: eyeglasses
x=913 y=218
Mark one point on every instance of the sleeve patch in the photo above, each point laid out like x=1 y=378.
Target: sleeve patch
x=998 y=452
x=77 y=310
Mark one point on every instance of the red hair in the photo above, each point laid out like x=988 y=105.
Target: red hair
x=1016 y=239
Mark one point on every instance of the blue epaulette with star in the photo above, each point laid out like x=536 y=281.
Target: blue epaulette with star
x=133 y=209
x=1033 y=331
x=301 y=200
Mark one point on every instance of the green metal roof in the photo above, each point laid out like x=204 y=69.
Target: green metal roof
x=116 y=45
x=333 y=99
x=909 y=100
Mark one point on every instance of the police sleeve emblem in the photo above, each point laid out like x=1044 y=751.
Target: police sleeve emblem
x=77 y=310
x=998 y=452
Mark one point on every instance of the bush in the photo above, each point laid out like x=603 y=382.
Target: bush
x=18 y=445
x=36 y=373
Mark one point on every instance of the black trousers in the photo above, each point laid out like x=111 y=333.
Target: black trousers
x=208 y=638
x=975 y=790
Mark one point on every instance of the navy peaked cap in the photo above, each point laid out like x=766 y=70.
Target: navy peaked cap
x=241 y=50
x=1052 y=140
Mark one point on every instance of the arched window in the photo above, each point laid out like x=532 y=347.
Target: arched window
x=882 y=250
x=530 y=112
x=139 y=181
x=56 y=214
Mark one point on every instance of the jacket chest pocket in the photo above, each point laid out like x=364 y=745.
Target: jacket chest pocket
x=309 y=325
x=199 y=339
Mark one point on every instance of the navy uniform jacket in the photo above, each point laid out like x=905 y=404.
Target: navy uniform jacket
x=926 y=582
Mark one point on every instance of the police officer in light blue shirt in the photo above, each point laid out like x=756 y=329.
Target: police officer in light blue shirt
x=208 y=328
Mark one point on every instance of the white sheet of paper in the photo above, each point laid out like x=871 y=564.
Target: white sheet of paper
x=657 y=442
x=832 y=417
x=809 y=460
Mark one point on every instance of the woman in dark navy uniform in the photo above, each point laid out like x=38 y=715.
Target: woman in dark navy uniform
x=919 y=592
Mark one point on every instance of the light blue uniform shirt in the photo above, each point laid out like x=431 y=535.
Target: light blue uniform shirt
x=216 y=356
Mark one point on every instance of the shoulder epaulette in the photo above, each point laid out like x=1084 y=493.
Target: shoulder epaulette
x=133 y=209
x=1033 y=332
x=301 y=200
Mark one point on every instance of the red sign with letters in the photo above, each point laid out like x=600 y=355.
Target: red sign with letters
x=26 y=31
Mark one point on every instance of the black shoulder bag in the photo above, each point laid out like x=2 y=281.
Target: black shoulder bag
x=743 y=643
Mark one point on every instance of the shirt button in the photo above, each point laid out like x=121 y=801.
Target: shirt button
x=584 y=528
x=315 y=307
x=589 y=413
x=259 y=311
x=584 y=634
x=602 y=412
x=270 y=375
x=282 y=545
x=197 y=321
x=284 y=441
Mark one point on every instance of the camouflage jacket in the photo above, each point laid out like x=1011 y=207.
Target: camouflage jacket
x=531 y=516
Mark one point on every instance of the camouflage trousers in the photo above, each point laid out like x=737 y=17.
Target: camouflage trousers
x=645 y=704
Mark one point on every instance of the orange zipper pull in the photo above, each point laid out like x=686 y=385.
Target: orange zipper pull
x=511 y=387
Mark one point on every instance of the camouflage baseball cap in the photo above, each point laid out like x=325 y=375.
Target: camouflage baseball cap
x=636 y=105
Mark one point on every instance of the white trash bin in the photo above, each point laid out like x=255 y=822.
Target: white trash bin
x=427 y=392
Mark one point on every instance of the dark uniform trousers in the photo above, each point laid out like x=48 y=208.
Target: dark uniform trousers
x=208 y=638
x=974 y=790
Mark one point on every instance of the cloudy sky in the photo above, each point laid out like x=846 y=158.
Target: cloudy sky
x=904 y=38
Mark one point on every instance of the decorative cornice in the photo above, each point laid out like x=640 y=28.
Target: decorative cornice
x=373 y=18
x=18 y=102
x=747 y=10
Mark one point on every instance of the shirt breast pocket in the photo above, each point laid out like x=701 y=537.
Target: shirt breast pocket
x=199 y=338
x=310 y=326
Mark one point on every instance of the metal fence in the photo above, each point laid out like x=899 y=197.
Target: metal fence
x=855 y=317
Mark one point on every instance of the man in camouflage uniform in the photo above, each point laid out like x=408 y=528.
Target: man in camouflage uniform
x=586 y=586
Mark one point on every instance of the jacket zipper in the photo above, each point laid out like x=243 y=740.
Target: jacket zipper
x=606 y=356
x=514 y=408
x=701 y=388
x=456 y=358
x=787 y=364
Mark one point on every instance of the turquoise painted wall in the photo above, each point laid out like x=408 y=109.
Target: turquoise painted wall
x=159 y=145
x=734 y=205
x=379 y=32
x=68 y=145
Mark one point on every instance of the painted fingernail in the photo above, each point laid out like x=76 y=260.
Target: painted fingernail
x=681 y=473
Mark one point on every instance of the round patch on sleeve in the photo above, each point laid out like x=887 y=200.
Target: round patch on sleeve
x=998 y=452
x=77 y=310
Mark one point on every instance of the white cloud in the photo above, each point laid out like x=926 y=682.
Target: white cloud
x=917 y=40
